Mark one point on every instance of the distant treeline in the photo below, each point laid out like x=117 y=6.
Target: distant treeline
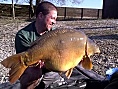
x=63 y=12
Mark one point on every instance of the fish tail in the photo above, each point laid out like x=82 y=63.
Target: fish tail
x=16 y=63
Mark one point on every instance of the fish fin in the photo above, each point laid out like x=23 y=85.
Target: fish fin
x=68 y=73
x=87 y=63
x=16 y=63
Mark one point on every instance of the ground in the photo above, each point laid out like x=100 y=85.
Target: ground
x=103 y=32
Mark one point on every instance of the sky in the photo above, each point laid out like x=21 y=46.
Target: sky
x=96 y=4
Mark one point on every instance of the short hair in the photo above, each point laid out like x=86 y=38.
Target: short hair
x=45 y=7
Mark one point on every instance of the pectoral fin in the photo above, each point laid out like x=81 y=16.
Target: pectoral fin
x=68 y=73
x=87 y=63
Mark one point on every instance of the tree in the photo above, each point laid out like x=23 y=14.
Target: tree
x=31 y=9
x=12 y=8
x=38 y=1
x=13 y=11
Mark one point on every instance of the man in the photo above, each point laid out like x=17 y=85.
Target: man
x=46 y=14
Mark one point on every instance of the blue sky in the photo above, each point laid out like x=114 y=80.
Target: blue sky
x=97 y=4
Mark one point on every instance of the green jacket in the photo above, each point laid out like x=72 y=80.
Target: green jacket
x=25 y=37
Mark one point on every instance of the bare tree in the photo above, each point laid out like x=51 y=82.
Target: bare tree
x=31 y=9
x=13 y=9
x=38 y=1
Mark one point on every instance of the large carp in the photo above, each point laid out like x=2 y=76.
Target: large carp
x=60 y=50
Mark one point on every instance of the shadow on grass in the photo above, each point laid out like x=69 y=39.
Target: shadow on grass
x=30 y=20
x=75 y=19
x=64 y=19
x=97 y=27
x=111 y=36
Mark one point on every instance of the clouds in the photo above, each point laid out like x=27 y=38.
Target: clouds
x=66 y=2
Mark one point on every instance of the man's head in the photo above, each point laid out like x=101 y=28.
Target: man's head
x=46 y=14
x=45 y=7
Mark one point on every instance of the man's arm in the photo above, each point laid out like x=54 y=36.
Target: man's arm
x=21 y=43
x=31 y=77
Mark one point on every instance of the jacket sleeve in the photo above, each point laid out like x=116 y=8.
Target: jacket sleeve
x=21 y=43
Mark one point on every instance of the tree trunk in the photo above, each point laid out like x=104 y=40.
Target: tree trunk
x=13 y=11
x=38 y=1
x=31 y=9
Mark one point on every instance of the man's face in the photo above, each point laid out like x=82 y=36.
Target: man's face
x=50 y=19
